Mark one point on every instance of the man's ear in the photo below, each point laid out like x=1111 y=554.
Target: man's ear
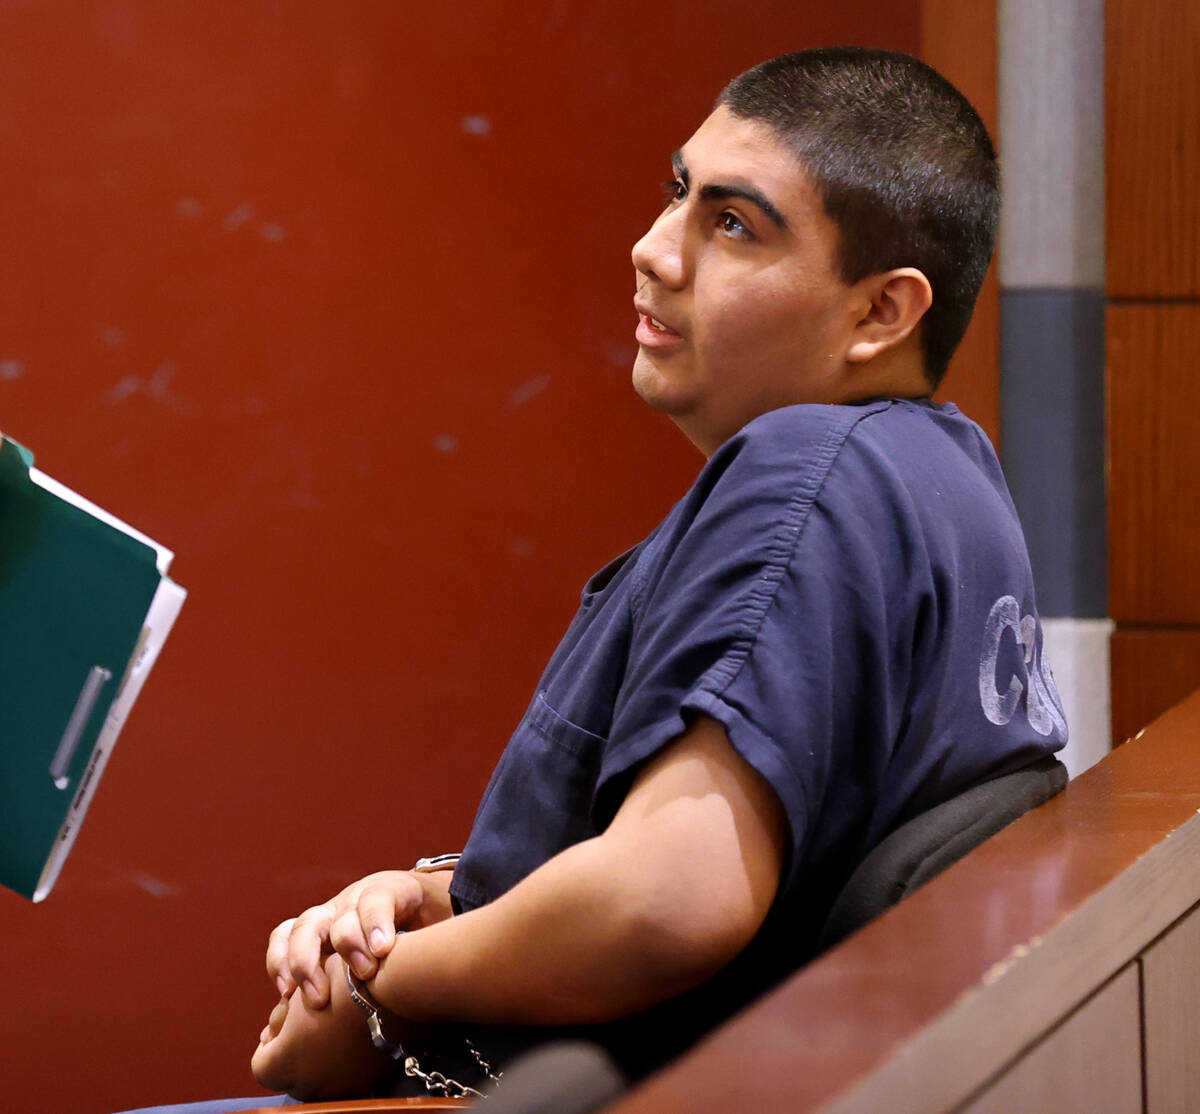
x=891 y=305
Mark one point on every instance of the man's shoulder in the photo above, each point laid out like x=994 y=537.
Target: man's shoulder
x=915 y=419
x=877 y=465
x=790 y=441
x=897 y=434
x=808 y=421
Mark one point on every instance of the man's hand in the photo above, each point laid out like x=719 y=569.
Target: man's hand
x=275 y=1022
x=319 y=1054
x=359 y=924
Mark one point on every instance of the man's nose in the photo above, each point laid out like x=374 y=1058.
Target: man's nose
x=660 y=253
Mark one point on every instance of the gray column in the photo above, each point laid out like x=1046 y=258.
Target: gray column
x=1051 y=260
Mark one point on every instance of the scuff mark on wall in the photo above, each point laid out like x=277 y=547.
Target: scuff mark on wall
x=157 y=387
x=158 y=383
x=127 y=385
x=621 y=355
x=530 y=389
x=238 y=216
x=155 y=887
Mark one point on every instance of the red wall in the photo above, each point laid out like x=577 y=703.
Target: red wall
x=333 y=299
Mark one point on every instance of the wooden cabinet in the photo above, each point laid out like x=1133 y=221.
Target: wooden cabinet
x=1153 y=247
x=1171 y=1001
x=1091 y=1062
x=1153 y=107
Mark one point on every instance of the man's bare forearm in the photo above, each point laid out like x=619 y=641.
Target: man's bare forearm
x=561 y=948
x=673 y=890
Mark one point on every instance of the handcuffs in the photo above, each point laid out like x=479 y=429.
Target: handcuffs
x=435 y=1082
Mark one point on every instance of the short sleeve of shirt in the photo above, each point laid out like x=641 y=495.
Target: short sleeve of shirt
x=756 y=608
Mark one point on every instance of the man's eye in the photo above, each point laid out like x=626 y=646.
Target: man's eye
x=730 y=224
x=673 y=191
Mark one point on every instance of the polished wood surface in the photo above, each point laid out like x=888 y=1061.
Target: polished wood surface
x=364 y=1106
x=1152 y=669
x=1171 y=982
x=1091 y=1062
x=1153 y=148
x=959 y=40
x=1154 y=463
x=916 y=1011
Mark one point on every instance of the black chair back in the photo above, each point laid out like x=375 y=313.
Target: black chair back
x=921 y=848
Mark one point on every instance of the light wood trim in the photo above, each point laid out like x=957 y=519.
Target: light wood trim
x=365 y=1106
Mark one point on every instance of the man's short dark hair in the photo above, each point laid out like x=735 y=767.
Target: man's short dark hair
x=903 y=166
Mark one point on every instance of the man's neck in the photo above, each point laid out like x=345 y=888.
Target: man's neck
x=896 y=374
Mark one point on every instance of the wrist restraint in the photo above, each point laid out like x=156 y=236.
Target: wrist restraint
x=436 y=1083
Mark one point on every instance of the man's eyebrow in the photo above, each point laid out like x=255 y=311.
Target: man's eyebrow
x=679 y=166
x=714 y=192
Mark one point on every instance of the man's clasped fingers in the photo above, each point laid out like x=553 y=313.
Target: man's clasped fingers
x=278 y=969
x=275 y=1022
x=307 y=946
x=389 y=901
x=359 y=924
x=348 y=937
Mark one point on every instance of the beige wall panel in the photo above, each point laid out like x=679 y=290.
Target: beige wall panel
x=1090 y=1063
x=1154 y=463
x=1171 y=990
x=1153 y=110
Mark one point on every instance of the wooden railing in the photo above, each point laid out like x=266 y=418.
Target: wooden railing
x=1054 y=969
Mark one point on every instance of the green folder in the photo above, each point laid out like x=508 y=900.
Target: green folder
x=85 y=605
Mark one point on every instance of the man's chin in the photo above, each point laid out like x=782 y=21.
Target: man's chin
x=653 y=387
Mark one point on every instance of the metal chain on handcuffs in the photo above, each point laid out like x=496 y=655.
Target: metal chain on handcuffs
x=435 y=1082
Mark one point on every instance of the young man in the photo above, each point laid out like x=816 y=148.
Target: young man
x=834 y=630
